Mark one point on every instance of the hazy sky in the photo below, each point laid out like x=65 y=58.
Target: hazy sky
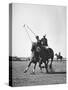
x=42 y=19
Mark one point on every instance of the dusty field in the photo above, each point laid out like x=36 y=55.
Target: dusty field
x=24 y=79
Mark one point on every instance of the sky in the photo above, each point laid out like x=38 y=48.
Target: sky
x=42 y=19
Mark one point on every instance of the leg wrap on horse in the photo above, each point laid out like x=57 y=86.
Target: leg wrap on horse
x=40 y=62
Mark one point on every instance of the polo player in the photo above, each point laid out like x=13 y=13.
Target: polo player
x=36 y=48
x=44 y=42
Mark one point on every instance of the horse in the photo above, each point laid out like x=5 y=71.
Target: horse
x=46 y=54
x=35 y=57
x=59 y=57
x=41 y=55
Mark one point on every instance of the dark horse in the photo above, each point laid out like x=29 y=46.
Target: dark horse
x=41 y=55
x=59 y=57
x=46 y=54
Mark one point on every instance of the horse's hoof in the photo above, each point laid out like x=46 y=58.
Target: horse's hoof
x=25 y=71
x=33 y=73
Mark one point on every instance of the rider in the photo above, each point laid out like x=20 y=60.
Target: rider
x=59 y=54
x=38 y=41
x=34 y=45
x=44 y=41
x=39 y=47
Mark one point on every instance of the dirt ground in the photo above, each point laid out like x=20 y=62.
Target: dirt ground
x=19 y=78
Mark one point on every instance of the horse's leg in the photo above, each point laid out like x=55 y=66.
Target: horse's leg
x=40 y=62
x=61 y=58
x=47 y=62
x=46 y=66
x=51 y=64
x=28 y=66
x=57 y=59
x=34 y=67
